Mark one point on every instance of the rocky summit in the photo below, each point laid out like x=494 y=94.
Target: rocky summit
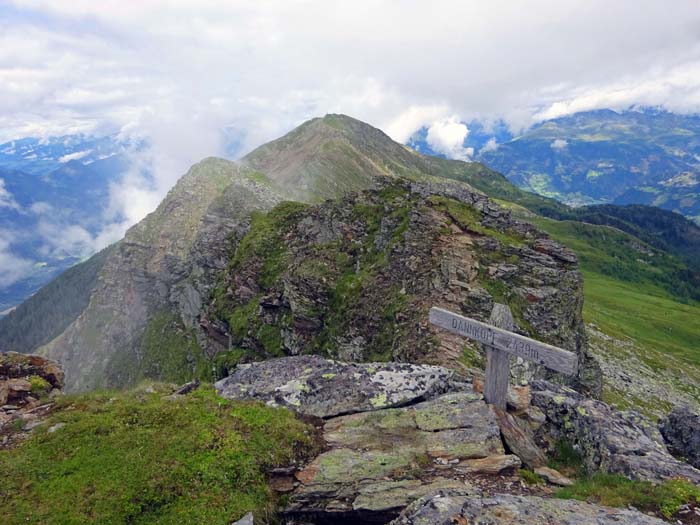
x=399 y=436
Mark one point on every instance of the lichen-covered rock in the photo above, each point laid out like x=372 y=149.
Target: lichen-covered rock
x=381 y=460
x=325 y=388
x=608 y=440
x=681 y=430
x=462 y=507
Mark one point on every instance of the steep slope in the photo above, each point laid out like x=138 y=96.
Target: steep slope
x=642 y=157
x=46 y=314
x=156 y=276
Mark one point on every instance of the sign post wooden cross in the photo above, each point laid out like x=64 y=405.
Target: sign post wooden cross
x=500 y=343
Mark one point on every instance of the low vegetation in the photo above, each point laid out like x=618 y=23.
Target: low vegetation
x=137 y=457
x=615 y=490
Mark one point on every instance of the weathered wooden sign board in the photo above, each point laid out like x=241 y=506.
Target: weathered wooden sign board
x=500 y=342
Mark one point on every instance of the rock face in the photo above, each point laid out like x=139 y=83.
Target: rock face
x=450 y=507
x=608 y=440
x=354 y=279
x=681 y=430
x=324 y=388
x=393 y=432
x=379 y=461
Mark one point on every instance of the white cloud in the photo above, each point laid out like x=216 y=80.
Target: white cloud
x=12 y=267
x=6 y=198
x=74 y=156
x=559 y=144
x=447 y=136
x=178 y=73
x=491 y=145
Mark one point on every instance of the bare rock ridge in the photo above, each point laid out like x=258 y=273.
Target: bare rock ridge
x=222 y=267
x=401 y=436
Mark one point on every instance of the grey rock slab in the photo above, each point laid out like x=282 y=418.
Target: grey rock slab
x=608 y=440
x=324 y=388
x=681 y=430
x=447 y=507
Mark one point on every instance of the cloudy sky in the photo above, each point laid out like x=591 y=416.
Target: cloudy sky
x=194 y=75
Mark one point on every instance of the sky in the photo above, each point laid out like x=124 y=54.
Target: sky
x=193 y=76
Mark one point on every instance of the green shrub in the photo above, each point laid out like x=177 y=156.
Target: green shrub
x=39 y=385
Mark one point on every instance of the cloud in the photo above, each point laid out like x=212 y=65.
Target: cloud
x=559 y=144
x=491 y=145
x=13 y=268
x=447 y=136
x=192 y=74
x=74 y=156
x=6 y=198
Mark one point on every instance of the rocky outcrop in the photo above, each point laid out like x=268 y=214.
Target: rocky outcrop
x=325 y=388
x=393 y=432
x=27 y=382
x=607 y=440
x=379 y=461
x=460 y=507
x=681 y=430
x=354 y=279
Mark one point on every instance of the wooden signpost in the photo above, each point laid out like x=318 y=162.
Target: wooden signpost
x=500 y=343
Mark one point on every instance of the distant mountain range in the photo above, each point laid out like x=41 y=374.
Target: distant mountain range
x=600 y=157
x=53 y=198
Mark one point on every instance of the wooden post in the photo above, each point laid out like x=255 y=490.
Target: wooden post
x=498 y=361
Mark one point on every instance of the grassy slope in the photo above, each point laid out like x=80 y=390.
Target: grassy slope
x=139 y=458
x=644 y=314
x=625 y=299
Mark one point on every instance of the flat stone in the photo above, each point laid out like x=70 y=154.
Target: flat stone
x=325 y=388
x=386 y=496
x=489 y=465
x=18 y=386
x=520 y=439
x=461 y=507
x=553 y=476
x=245 y=520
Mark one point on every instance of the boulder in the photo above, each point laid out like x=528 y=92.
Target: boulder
x=325 y=388
x=681 y=430
x=608 y=440
x=463 y=507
